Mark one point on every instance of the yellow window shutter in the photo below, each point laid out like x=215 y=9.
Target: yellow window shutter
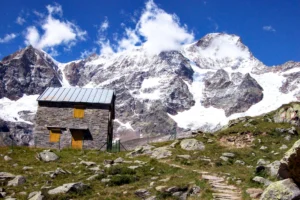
x=79 y=112
x=55 y=135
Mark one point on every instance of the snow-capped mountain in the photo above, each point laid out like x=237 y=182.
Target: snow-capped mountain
x=202 y=86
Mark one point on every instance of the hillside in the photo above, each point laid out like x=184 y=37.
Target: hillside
x=210 y=166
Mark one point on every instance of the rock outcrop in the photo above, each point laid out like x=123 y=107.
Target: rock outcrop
x=28 y=71
x=281 y=190
x=233 y=95
x=288 y=167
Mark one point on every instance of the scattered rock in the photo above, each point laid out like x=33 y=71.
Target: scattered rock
x=195 y=190
x=262 y=180
x=18 y=180
x=224 y=158
x=272 y=168
x=173 y=145
x=87 y=163
x=133 y=167
x=262 y=162
x=95 y=169
x=240 y=162
x=151 y=198
x=160 y=188
x=228 y=155
x=47 y=156
x=287 y=138
x=142 y=150
x=254 y=192
x=119 y=160
x=281 y=190
x=6 y=175
x=161 y=152
x=93 y=177
x=191 y=145
x=7 y=158
x=142 y=193
x=35 y=196
x=26 y=168
x=283 y=147
x=187 y=157
x=105 y=180
x=263 y=148
x=106 y=162
x=69 y=187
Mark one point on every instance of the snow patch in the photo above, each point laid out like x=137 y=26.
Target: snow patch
x=126 y=126
x=9 y=109
x=151 y=82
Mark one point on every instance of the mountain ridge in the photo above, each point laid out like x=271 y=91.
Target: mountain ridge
x=172 y=91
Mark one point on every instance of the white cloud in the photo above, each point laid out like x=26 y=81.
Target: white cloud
x=156 y=30
x=104 y=26
x=8 y=37
x=269 y=28
x=56 y=8
x=20 y=20
x=56 y=32
x=32 y=36
x=87 y=53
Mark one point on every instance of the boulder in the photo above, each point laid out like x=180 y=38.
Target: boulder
x=161 y=152
x=87 y=163
x=35 y=196
x=288 y=167
x=191 y=145
x=272 y=168
x=261 y=180
x=18 y=180
x=142 y=193
x=47 y=156
x=281 y=190
x=69 y=187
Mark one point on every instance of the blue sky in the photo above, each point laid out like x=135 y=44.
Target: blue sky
x=70 y=29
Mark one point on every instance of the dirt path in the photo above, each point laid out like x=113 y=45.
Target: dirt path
x=220 y=187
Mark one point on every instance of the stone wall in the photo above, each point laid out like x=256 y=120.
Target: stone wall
x=95 y=121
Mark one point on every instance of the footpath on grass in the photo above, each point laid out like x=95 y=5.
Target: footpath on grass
x=221 y=189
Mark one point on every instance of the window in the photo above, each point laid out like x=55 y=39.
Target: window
x=79 y=112
x=55 y=135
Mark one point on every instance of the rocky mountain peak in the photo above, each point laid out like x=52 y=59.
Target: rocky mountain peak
x=28 y=71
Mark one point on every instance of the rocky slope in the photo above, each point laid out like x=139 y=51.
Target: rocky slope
x=202 y=86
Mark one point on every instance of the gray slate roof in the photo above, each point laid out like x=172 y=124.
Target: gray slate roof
x=77 y=95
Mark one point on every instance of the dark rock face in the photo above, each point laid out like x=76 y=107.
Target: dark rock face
x=233 y=95
x=27 y=71
x=16 y=133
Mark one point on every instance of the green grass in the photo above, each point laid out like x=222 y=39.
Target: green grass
x=125 y=181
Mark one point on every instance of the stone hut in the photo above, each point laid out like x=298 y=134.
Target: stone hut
x=80 y=118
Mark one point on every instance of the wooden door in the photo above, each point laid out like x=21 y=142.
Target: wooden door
x=77 y=139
